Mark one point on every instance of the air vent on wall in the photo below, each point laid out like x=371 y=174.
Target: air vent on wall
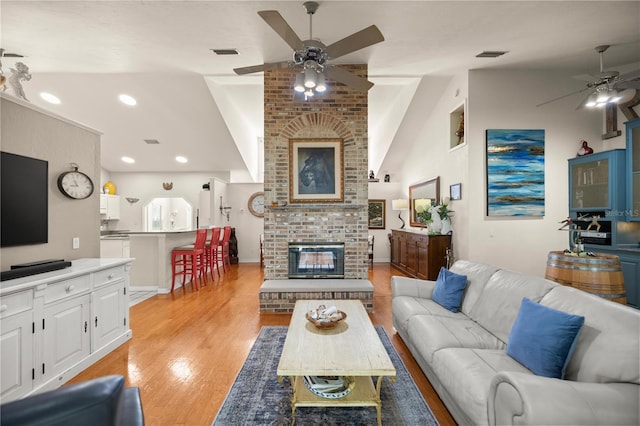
x=4 y=54
x=225 y=51
x=152 y=141
x=490 y=54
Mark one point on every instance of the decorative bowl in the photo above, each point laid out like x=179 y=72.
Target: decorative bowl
x=325 y=322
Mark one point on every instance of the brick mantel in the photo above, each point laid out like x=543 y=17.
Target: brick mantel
x=340 y=113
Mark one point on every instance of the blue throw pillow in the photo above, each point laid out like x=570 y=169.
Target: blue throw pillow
x=543 y=339
x=449 y=289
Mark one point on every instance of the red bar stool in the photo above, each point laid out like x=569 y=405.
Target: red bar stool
x=223 y=249
x=211 y=250
x=189 y=260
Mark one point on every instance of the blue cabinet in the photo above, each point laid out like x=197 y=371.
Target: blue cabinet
x=633 y=169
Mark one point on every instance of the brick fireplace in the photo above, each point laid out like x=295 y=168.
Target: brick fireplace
x=340 y=113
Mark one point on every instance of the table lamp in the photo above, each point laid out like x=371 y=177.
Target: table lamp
x=399 y=205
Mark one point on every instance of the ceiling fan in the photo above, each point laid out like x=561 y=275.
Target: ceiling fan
x=313 y=57
x=605 y=87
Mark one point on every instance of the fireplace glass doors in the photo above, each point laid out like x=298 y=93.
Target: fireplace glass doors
x=316 y=260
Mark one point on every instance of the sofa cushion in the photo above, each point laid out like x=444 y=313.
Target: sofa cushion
x=467 y=373
x=430 y=334
x=477 y=276
x=499 y=303
x=449 y=289
x=608 y=346
x=543 y=338
x=405 y=307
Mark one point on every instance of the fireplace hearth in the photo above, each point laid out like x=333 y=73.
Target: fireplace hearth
x=316 y=260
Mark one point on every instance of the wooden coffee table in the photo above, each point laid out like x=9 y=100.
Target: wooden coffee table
x=353 y=348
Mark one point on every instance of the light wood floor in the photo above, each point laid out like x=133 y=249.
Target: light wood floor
x=188 y=347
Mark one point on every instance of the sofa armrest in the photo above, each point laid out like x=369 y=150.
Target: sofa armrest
x=520 y=398
x=100 y=402
x=414 y=287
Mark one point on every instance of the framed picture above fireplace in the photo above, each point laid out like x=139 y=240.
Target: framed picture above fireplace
x=315 y=171
x=377 y=214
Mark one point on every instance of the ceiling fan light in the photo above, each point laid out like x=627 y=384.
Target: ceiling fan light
x=299 y=84
x=615 y=96
x=309 y=92
x=321 y=86
x=591 y=101
x=603 y=95
x=310 y=78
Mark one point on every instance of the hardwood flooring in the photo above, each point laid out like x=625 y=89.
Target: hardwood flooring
x=188 y=347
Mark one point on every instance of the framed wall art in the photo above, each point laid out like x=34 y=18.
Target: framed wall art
x=315 y=170
x=515 y=172
x=377 y=216
x=455 y=191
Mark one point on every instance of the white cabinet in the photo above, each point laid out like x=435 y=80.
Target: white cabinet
x=56 y=324
x=109 y=207
x=66 y=335
x=16 y=353
x=204 y=209
x=115 y=247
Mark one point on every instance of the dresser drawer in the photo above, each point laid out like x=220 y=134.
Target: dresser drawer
x=108 y=276
x=16 y=303
x=67 y=288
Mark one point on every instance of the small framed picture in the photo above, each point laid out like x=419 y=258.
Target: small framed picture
x=377 y=214
x=455 y=191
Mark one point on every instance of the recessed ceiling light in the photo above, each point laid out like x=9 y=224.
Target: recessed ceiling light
x=181 y=159
x=128 y=160
x=127 y=100
x=52 y=99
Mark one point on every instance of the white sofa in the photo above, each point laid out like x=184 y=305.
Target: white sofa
x=463 y=354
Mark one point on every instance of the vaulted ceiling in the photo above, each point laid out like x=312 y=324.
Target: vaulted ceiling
x=189 y=99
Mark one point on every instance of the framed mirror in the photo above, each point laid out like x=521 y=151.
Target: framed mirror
x=422 y=195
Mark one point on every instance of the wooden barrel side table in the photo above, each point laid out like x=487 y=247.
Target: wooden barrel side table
x=600 y=274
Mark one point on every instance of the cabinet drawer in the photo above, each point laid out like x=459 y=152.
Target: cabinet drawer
x=108 y=276
x=67 y=288
x=16 y=303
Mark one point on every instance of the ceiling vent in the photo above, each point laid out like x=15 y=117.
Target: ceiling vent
x=490 y=54
x=152 y=141
x=225 y=51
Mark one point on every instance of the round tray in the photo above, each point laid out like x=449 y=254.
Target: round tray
x=344 y=389
x=323 y=323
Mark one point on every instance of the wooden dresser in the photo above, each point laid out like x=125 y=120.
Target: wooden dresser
x=418 y=254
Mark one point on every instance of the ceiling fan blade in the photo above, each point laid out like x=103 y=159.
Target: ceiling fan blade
x=280 y=26
x=356 y=41
x=586 y=77
x=562 y=97
x=260 y=68
x=345 y=77
x=634 y=84
x=583 y=102
x=630 y=75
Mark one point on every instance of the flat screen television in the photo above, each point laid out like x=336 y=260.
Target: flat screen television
x=24 y=200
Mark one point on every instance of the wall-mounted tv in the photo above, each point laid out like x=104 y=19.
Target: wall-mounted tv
x=24 y=200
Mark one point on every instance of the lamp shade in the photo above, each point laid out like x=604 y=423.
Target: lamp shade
x=299 y=85
x=399 y=204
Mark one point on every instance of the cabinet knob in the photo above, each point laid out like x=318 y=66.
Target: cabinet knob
x=70 y=288
x=3 y=308
x=111 y=275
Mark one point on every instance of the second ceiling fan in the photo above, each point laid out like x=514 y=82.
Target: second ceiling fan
x=313 y=56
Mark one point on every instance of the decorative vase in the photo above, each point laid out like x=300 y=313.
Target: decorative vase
x=109 y=188
x=436 y=225
x=446 y=226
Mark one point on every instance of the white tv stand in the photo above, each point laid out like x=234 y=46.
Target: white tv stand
x=56 y=324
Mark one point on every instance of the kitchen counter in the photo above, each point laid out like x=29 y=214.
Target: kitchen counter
x=152 y=250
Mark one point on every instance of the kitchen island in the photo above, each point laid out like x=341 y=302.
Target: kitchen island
x=152 y=250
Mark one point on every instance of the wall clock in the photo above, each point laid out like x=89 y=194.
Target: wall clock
x=74 y=184
x=256 y=204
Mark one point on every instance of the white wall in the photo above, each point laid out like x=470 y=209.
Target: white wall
x=34 y=132
x=387 y=191
x=506 y=100
x=248 y=227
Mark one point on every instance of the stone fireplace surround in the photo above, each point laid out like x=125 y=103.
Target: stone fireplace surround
x=340 y=113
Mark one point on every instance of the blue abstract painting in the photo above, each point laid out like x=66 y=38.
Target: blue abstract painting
x=515 y=172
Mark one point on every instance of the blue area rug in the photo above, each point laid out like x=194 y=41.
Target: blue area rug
x=257 y=398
